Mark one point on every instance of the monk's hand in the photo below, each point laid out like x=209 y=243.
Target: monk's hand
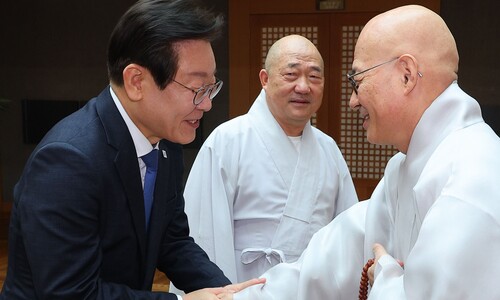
x=378 y=251
x=229 y=290
x=236 y=287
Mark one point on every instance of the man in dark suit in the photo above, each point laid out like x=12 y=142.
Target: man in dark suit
x=80 y=228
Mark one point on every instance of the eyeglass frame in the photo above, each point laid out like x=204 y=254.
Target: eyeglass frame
x=206 y=88
x=354 y=84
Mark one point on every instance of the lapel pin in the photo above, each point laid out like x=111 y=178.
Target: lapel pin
x=164 y=153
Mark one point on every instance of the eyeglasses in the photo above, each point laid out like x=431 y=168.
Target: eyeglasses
x=210 y=90
x=355 y=84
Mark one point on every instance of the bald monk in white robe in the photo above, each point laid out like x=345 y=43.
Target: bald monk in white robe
x=433 y=222
x=265 y=182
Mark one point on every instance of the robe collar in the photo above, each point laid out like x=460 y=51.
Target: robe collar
x=298 y=171
x=450 y=111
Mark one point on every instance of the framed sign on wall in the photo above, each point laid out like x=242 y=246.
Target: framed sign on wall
x=330 y=4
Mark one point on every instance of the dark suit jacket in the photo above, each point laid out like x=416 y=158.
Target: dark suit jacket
x=77 y=228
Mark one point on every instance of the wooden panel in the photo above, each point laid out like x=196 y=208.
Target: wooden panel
x=335 y=36
x=239 y=27
x=239 y=58
x=250 y=27
x=339 y=64
x=366 y=161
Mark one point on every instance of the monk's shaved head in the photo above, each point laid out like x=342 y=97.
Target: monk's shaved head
x=410 y=29
x=418 y=60
x=291 y=45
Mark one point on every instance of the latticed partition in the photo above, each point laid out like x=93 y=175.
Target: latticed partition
x=335 y=36
x=366 y=161
x=269 y=35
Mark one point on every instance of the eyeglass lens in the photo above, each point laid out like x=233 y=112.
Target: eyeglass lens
x=211 y=91
x=353 y=83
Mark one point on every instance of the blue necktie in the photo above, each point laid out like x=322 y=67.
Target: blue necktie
x=151 y=161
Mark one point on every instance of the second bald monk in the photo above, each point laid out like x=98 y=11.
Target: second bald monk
x=265 y=182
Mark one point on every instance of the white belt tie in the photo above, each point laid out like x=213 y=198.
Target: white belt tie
x=249 y=255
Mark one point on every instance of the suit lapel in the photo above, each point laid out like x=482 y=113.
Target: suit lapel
x=128 y=169
x=126 y=162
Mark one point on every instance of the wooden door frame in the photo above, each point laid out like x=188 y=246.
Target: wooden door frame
x=245 y=16
x=239 y=28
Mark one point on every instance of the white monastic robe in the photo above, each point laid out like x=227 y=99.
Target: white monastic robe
x=253 y=200
x=449 y=186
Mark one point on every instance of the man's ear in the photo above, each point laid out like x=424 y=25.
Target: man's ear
x=411 y=75
x=264 y=77
x=133 y=79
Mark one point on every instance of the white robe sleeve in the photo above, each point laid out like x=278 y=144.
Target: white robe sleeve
x=209 y=207
x=329 y=268
x=347 y=192
x=209 y=212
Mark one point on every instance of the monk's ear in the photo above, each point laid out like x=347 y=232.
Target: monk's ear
x=264 y=77
x=133 y=80
x=410 y=73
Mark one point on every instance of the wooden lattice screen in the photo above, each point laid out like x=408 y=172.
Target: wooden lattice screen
x=336 y=38
x=366 y=161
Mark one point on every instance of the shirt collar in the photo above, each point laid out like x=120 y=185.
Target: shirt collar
x=141 y=143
